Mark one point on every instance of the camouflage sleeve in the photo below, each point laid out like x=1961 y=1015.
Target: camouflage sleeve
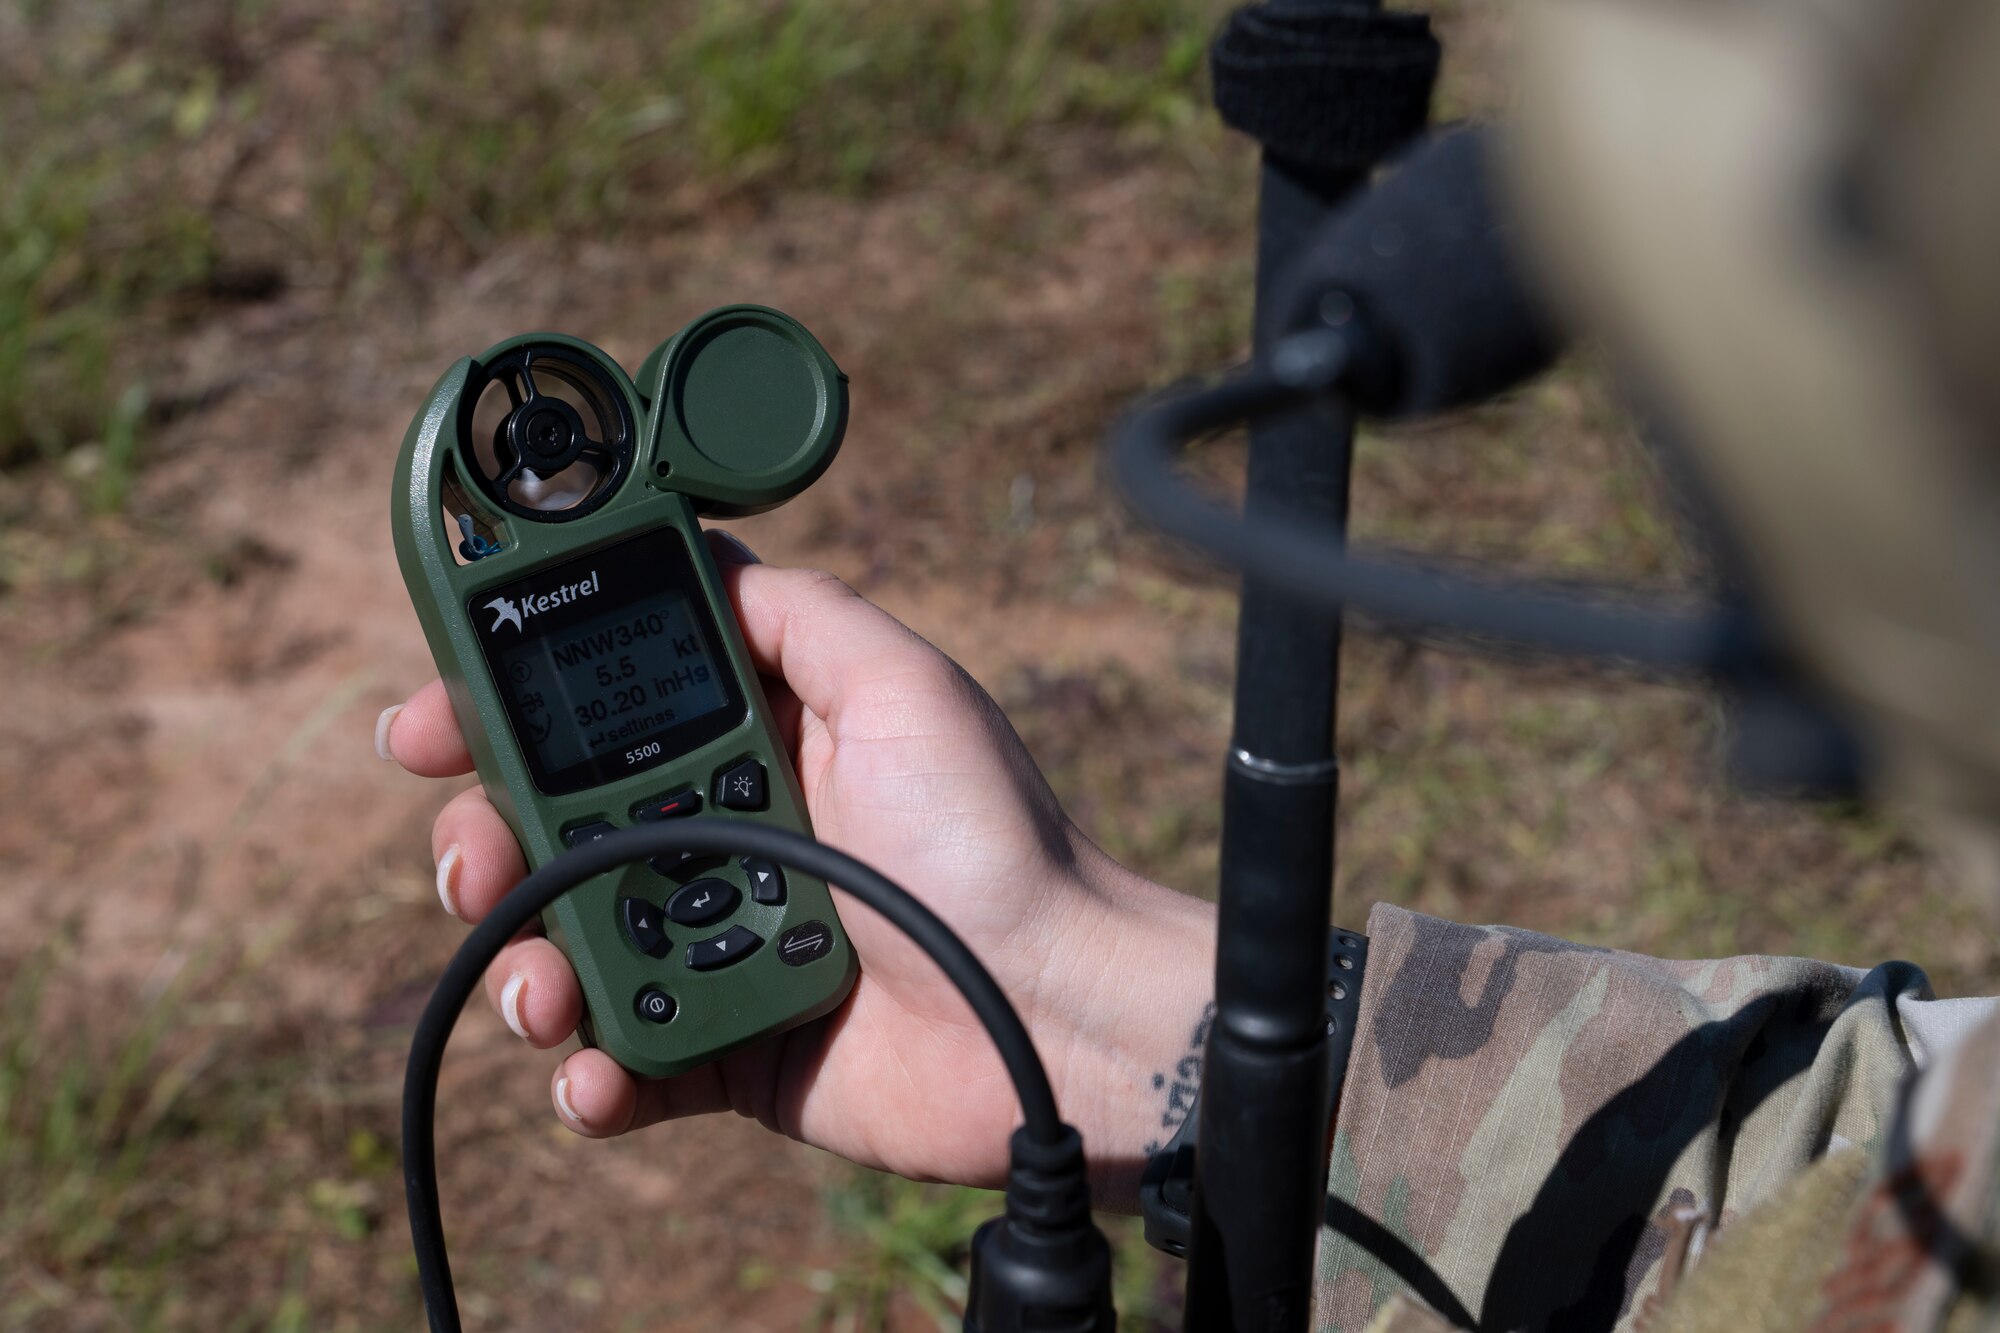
x=1518 y=1111
x=1908 y=1239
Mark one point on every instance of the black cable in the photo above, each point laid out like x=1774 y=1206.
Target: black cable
x=1318 y=567
x=1042 y=1127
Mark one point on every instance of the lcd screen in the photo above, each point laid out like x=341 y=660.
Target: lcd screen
x=608 y=664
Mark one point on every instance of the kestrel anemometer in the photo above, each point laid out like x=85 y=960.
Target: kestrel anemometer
x=545 y=515
x=545 y=520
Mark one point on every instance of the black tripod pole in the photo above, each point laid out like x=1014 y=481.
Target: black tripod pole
x=1260 y=1155
x=1260 y=1160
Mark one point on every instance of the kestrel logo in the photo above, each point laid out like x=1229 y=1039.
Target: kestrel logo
x=507 y=611
x=503 y=610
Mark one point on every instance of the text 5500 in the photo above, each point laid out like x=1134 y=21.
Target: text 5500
x=642 y=754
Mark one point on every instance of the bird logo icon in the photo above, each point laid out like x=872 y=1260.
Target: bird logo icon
x=504 y=610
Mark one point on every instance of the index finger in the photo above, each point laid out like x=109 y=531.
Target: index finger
x=422 y=735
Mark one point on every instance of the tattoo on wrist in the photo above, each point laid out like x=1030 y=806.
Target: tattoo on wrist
x=1179 y=1086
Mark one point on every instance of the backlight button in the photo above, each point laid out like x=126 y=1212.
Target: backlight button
x=741 y=786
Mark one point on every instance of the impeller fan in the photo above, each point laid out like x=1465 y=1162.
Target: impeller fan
x=549 y=435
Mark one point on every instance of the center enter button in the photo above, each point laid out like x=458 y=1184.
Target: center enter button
x=703 y=901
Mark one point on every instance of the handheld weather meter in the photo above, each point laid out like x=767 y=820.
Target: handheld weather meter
x=545 y=514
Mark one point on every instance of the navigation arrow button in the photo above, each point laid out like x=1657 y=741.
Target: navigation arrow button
x=734 y=944
x=767 y=882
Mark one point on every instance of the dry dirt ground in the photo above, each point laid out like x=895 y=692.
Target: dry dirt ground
x=192 y=820
x=190 y=789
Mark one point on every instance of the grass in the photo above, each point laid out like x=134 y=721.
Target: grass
x=910 y=1242
x=584 y=124
x=164 y=159
x=1205 y=312
x=97 y=233
x=166 y=1165
x=909 y=1247
x=92 y=1118
x=149 y=1144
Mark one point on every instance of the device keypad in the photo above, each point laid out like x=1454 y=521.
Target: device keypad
x=703 y=902
x=741 y=786
x=703 y=894
x=731 y=946
x=766 y=880
x=672 y=863
x=577 y=834
x=643 y=927
x=655 y=1005
x=673 y=805
x=804 y=943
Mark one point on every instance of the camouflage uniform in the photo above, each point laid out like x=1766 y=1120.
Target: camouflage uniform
x=1536 y=1134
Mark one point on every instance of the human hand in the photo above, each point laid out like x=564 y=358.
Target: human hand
x=906 y=764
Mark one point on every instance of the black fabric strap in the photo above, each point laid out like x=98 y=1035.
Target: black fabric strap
x=1331 y=86
x=1166 y=1193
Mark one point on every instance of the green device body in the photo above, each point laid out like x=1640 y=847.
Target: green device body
x=545 y=515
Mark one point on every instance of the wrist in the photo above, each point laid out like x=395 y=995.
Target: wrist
x=1120 y=1012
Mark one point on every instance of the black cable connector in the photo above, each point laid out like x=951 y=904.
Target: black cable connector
x=1044 y=1265
x=1047 y=1235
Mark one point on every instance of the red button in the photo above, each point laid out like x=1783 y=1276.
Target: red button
x=668 y=807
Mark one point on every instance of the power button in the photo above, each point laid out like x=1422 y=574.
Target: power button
x=654 y=1005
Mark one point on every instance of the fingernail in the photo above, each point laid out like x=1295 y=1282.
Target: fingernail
x=564 y=1105
x=733 y=549
x=382 y=726
x=447 y=874
x=510 y=1004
